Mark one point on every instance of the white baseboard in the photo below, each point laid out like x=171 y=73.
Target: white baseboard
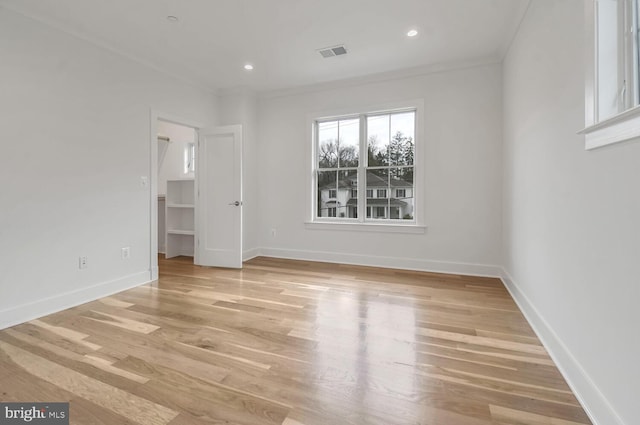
x=250 y=253
x=388 y=262
x=36 y=309
x=592 y=400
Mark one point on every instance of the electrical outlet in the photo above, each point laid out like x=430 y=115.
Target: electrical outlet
x=273 y=232
x=82 y=262
x=126 y=253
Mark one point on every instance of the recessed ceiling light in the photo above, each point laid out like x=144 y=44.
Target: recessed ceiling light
x=172 y=18
x=412 y=33
x=248 y=67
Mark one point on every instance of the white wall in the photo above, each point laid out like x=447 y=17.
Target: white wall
x=463 y=120
x=571 y=233
x=241 y=107
x=172 y=166
x=75 y=123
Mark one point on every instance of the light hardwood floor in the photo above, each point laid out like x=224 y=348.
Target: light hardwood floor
x=293 y=343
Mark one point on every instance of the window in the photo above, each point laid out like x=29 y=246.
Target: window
x=190 y=158
x=613 y=79
x=365 y=154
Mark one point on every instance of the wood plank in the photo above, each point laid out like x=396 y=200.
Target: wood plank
x=114 y=399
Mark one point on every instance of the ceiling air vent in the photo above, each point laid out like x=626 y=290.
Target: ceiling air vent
x=328 y=52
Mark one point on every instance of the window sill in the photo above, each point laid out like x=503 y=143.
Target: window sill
x=368 y=227
x=616 y=129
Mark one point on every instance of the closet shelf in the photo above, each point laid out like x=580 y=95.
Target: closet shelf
x=180 y=206
x=181 y=232
x=180 y=218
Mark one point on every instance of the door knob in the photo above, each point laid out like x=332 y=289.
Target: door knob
x=236 y=203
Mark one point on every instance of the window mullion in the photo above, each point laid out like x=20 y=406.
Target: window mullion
x=316 y=166
x=362 y=170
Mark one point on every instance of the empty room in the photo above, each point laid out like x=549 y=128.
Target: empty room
x=294 y=212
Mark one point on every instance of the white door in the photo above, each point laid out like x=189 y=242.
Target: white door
x=219 y=200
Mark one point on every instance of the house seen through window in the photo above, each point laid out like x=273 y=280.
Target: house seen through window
x=364 y=167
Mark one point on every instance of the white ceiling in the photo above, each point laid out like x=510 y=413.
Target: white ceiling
x=215 y=38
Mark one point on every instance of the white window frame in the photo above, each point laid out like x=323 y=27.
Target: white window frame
x=626 y=124
x=404 y=193
x=417 y=225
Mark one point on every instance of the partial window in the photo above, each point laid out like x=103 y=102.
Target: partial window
x=613 y=79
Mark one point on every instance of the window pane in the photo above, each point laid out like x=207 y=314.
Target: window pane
x=402 y=131
x=328 y=144
x=347 y=204
x=636 y=70
x=190 y=158
x=609 y=60
x=378 y=184
x=401 y=200
x=378 y=140
x=349 y=143
x=327 y=182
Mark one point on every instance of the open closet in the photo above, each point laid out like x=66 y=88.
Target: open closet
x=176 y=189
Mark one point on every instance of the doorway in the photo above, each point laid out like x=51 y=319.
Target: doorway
x=196 y=192
x=173 y=167
x=176 y=189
